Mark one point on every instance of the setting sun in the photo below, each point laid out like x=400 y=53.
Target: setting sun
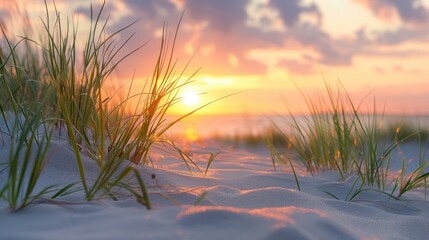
x=190 y=98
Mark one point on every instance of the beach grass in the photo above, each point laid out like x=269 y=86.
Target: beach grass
x=71 y=82
x=27 y=156
x=52 y=85
x=338 y=135
x=25 y=126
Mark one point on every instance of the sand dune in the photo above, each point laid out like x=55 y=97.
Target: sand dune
x=245 y=199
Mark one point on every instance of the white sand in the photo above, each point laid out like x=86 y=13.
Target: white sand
x=246 y=199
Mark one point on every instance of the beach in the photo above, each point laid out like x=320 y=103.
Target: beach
x=185 y=119
x=242 y=197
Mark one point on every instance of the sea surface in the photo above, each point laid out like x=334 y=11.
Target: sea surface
x=206 y=126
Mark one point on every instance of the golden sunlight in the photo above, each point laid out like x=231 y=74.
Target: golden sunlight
x=190 y=98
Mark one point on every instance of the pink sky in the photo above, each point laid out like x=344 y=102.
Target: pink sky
x=264 y=48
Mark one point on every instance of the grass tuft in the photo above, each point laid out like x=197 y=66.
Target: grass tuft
x=68 y=83
x=337 y=135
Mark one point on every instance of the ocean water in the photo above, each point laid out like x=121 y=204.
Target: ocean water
x=195 y=127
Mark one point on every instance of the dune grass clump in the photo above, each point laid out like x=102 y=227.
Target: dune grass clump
x=23 y=129
x=77 y=97
x=326 y=138
x=406 y=131
x=337 y=135
x=27 y=157
x=65 y=84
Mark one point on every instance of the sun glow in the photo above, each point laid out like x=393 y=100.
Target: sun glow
x=190 y=98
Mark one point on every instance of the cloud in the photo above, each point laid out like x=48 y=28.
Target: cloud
x=220 y=29
x=411 y=11
x=414 y=17
x=403 y=34
x=223 y=28
x=217 y=28
x=291 y=10
x=296 y=67
x=375 y=51
x=331 y=51
x=221 y=15
x=228 y=31
x=151 y=9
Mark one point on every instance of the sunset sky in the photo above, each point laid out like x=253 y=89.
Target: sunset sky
x=262 y=49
